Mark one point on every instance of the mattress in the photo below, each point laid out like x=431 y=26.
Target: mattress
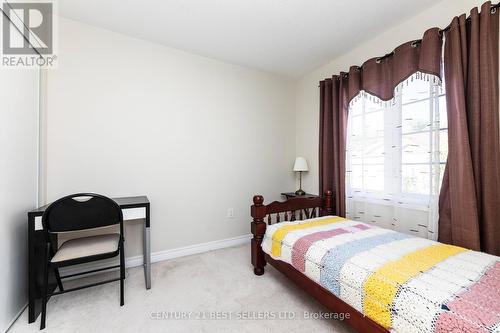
x=402 y=282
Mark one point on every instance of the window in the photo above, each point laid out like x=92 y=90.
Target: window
x=395 y=157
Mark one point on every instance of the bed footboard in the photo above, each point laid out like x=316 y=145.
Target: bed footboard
x=281 y=211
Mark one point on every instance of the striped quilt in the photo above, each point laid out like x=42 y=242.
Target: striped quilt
x=402 y=282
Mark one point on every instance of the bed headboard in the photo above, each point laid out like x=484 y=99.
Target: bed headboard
x=289 y=210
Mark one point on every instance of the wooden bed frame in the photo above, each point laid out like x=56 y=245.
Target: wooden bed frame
x=290 y=210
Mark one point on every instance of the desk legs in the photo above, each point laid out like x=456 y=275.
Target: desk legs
x=36 y=262
x=31 y=270
x=147 y=256
x=147 y=249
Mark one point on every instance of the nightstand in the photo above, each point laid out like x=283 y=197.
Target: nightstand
x=289 y=195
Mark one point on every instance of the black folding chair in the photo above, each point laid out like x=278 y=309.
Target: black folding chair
x=78 y=212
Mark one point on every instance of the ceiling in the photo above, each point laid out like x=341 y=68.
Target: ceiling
x=288 y=37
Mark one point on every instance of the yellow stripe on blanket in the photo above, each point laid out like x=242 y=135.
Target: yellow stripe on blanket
x=381 y=287
x=281 y=232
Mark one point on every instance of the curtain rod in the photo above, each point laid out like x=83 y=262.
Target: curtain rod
x=493 y=8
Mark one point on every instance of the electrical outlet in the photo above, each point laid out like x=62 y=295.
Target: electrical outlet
x=230 y=213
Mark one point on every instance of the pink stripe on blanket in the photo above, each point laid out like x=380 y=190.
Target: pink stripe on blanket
x=476 y=308
x=303 y=244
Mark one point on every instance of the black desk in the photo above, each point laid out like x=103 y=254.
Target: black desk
x=132 y=208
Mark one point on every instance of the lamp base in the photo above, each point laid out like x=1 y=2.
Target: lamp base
x=300 y=192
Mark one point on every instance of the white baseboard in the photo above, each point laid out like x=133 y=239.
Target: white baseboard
x=189 y=250
x=165 y=255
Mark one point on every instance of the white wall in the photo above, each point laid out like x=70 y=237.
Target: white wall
x=18 y=184
x=307 y=91
x=128 y=117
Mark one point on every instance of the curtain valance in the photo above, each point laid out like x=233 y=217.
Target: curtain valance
x=380 y=76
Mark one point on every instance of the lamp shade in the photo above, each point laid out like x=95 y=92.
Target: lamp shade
x=300 y=164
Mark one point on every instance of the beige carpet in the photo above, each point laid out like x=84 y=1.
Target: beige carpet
x=219 y=283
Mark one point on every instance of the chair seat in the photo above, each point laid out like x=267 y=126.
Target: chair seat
x=86 y=247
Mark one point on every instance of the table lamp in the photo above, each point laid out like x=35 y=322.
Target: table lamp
x=300 y=166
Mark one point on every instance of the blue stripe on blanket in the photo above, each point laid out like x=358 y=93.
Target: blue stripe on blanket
x=334 y=259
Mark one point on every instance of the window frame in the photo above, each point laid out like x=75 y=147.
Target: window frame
x=393 y=164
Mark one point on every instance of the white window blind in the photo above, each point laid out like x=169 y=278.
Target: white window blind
x=395 y=157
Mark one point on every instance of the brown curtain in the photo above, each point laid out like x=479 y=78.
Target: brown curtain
x=377 y=76
x=469 y=204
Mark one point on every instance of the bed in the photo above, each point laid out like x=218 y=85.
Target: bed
x=385 y=280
